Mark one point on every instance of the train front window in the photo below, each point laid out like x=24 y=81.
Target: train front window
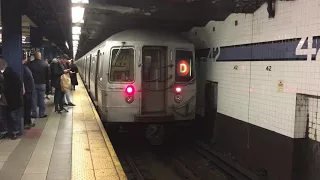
x=184 y=64
x=122 y=65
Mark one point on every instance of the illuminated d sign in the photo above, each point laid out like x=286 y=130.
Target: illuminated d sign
x=183 y=68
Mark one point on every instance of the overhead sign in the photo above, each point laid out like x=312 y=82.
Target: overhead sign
x=183 y=68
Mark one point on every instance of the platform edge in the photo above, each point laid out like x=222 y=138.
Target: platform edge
x=119 y=169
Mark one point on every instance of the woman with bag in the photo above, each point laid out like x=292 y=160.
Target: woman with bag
x=57 y=71
x=67 y=90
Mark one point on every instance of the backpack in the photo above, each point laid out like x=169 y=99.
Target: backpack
x=65 y=82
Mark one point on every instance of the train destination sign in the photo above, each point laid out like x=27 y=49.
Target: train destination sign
x=183 y=68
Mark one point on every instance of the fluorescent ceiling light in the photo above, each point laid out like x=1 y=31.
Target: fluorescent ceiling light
x=77 y=14
x=75 y=42
x=67 y=45
x=76 y=30
x=80 y=1
x=75 y=37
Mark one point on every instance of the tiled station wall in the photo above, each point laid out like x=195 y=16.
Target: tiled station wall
x=266 y=68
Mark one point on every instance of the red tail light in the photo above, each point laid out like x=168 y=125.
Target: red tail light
x=178 y=90
x=177 y=96
x=130 y=94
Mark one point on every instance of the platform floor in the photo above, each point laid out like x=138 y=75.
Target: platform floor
x=73 y=145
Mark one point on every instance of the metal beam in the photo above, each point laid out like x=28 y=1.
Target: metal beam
x=108 y=7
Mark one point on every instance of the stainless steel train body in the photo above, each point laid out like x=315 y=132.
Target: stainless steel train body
x=141 y=76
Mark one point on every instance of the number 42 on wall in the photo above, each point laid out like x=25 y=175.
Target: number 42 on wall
x=309 y=51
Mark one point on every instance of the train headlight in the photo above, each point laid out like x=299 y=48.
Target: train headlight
x=177 y=98
x=129 y=99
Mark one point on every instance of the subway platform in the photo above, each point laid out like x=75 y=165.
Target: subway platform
x=72 y=145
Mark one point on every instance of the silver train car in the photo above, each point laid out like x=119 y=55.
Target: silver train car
x=141 y=76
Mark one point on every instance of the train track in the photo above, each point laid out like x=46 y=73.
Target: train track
x=193 y=166
x=231 y=169
x=226 y=169
x=134 y=168
x=199 y=161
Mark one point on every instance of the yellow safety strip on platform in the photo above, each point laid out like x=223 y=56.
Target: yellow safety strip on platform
x=93 y=156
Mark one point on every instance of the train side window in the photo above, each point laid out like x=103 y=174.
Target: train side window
x=184 y=66
x=122 y=67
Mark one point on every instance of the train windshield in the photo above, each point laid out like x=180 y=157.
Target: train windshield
x=122 y=65
x=184 y=64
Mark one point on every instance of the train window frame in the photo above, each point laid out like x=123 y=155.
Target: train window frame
x=110 y=65
x=174 y=58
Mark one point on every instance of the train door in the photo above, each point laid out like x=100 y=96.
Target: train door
x=154 y=60
x=96 y=76
x=101 y=83
x=85 y=69
x=89 y=71
x=121 y=73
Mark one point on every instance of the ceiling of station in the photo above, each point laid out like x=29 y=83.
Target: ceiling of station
x=105 y=17
x=53 y=17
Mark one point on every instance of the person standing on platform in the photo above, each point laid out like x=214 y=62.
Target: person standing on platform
x=12 y=92
x=48 y=83
x=52 y=67
x=73 y=75
x=3 y=108
x=29 y=89
x=67 y=93
x=39 y=71
x=57 y=70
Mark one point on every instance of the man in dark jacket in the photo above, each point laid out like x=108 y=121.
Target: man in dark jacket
x=57 y=69
x=29 y=89
x=39 y=71
x=12 y=92
x=48 y=83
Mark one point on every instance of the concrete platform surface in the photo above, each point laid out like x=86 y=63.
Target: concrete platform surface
x=72 y=145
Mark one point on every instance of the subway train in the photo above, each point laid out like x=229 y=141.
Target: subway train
x=141 y=76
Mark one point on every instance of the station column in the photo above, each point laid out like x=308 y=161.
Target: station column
x=12 y=37
x=12 y=34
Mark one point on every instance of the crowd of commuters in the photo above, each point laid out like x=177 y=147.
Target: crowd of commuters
x=21 y=97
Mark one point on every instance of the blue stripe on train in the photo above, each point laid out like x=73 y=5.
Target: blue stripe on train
x=266 y=51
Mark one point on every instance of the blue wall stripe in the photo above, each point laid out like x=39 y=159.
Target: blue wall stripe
x=266 y=51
